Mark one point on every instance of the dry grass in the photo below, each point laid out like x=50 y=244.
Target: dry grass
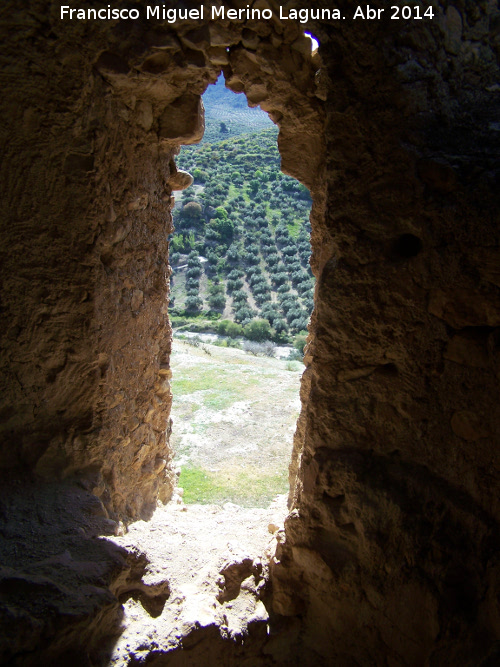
x=234 y=416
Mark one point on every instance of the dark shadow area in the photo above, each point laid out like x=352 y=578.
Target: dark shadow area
x=56 y=575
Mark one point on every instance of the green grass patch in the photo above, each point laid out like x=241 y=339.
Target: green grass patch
x=253 y=488
x=221 y=400
x=215 y=379
x=194 y=324
x=293 y=366
x=223 y=387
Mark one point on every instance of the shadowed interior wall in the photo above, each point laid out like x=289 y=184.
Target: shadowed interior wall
x=392 y=547
x=390 y=552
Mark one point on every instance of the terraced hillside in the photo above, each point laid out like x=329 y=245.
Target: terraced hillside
x=241 y=247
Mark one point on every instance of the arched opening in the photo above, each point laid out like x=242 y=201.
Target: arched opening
x=240 y=301
x=237 y=540
x=121 y=454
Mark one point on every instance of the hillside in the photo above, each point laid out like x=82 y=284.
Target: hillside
x=241 y=247
x=228 y=115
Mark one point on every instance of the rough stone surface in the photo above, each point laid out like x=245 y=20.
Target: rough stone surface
x=179 y=179
x=398 y=442
x=390 y=551
x=58 y=575
x=215 y=562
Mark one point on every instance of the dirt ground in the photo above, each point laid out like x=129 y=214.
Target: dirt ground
x=214 y=562
x=234 y=417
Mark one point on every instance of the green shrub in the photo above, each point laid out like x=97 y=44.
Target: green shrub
x=221 y=213
x=195 y=272
x=222 y=327
x=257 y=330
x=280 y=325
x=200 y=176
x=292 y=366
x=191 y=210
x=293 y=313
x=261 y=298
x=240 y=296
x=299 y=323
x=272 y=259
x=211 y=234
x=182 y=242
x=289 y=249
x=193 y=304
x=233 y=330
x=279 y=278
x=243 y=314
x=251 y=259
x=217 y=301
x=235 y=273
x=299 y=342
x=233 y=253
x=222 y=226
x=232 y=285
x=193 y=283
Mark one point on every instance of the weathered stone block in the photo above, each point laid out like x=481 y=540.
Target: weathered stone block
x=183 y=121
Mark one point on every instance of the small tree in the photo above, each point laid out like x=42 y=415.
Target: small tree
x=279 y=278
x=217 y=302
x=299 y=342
x=199 y=175
x=233 y=330
x=193 y=304
x=240 y=295
x=222 y=327
x=224 y=227
x=220 y=213
x=192 y=210
x=243 y=314
x=195 y=272
x=233 y=253
x=257 y=330
x=280 y=326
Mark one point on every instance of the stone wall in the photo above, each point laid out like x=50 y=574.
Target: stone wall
x=389 y=554
x=85 y=274
x=391 y=551
x=85 y=288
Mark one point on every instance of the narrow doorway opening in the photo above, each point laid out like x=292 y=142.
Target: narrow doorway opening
x=240 y=302
x=241 y=297
x=241 y=286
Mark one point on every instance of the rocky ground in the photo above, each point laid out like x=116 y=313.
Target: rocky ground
x=189 y=573
x=210 y=565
